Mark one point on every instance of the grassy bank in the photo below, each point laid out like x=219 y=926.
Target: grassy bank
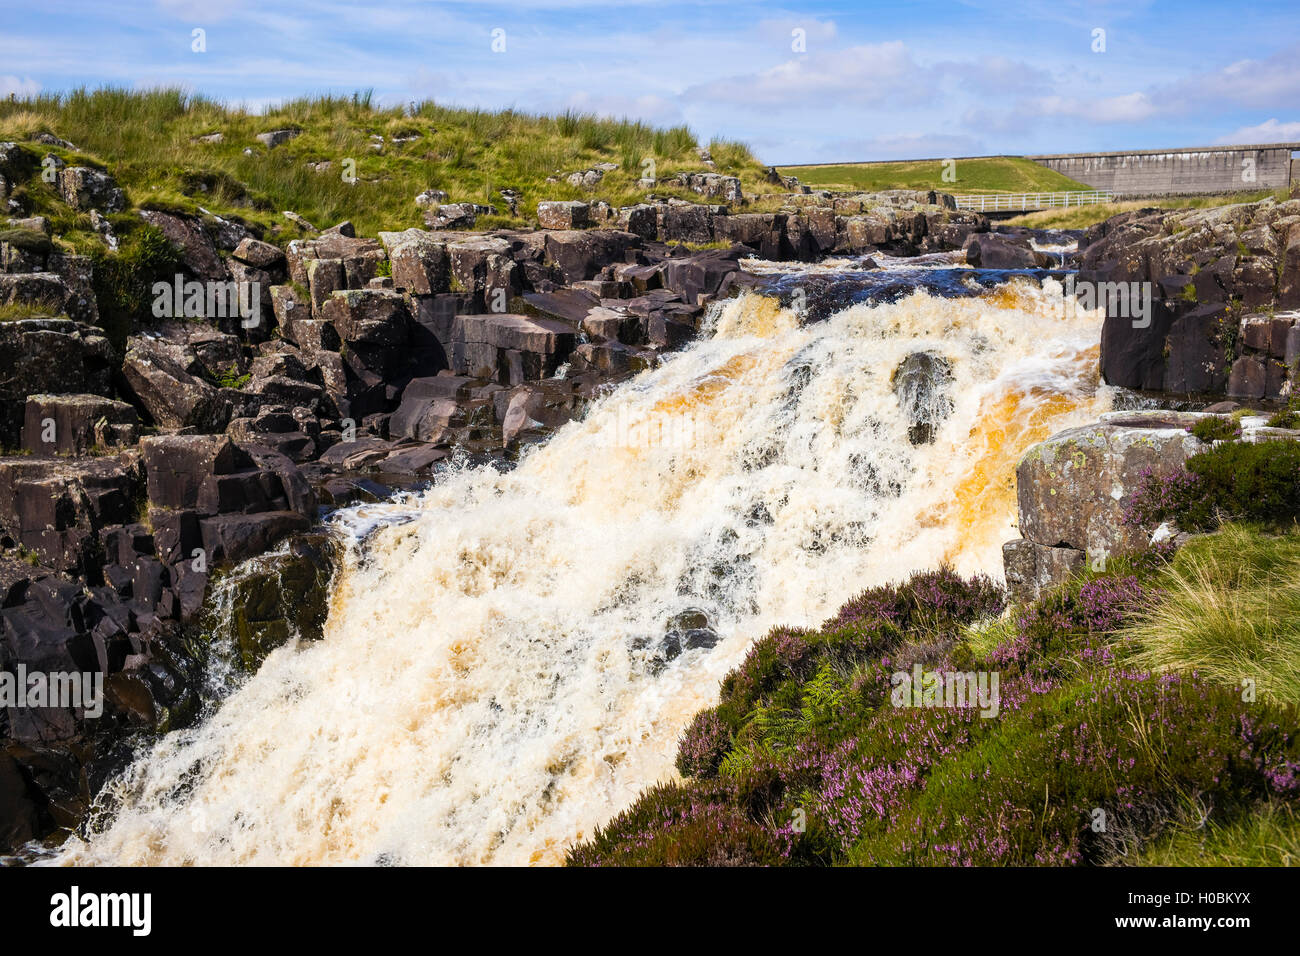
x=1081 y=217
x=986 y=174
x=150 y=141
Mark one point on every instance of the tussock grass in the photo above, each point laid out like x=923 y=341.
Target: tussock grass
x=1268 y=837
x=1230 y=611
x=12 y=311
x=149 y=140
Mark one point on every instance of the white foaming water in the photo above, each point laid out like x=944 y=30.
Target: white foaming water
x=486 y=691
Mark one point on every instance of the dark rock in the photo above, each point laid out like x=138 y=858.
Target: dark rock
x=993 y=251
x=922 y=383
x=230 y=539
x=74 y=424
x=162 y=379
x=198 y=252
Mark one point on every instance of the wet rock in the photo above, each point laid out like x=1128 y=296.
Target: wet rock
x=993 y=251
x=230 y=539
x=922 y=383
x=282 y=595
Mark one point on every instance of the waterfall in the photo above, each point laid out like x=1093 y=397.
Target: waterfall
x=493 y=680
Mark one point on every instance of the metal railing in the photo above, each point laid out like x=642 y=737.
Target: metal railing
x=1015 y=202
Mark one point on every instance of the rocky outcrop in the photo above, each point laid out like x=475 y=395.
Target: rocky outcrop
x=1215 y=277
x=166 y=380
x=43 y=356
x=1071 y=490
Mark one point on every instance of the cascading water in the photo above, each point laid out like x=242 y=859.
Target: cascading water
x=492 y=683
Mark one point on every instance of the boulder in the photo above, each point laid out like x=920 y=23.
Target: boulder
x=84 y=189
x=197 y=250
x=162 y=379
x=56 y=507
x=177 y=467
x=990 y=250
x=581 y=254
x=457 y=215
x=484 y=266
x=1032 y=569
x=712 y=185
x=232 y=538
x=563 y=215
x=420 y=262
x=273 y=138
x=685 y=223
x=1072 y=487
x=764 y=233
x=258 y=254
x=41 y=356
x=49 y=292
x=701 y=273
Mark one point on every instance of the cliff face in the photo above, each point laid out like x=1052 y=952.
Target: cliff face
x=1224 y=283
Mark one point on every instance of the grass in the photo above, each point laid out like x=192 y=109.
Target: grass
x=1270 y=837
x=1081 y=217
x=148 y=140
x=1231 y=612
x=988 y=174
x=12 y=311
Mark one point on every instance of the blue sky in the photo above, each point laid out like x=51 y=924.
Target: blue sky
x=902 y=79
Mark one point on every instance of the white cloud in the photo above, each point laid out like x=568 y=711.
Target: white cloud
x=1126 y=108
x=1269 y=131
x=23 y=88
x=1270 y=83
x=881 y=74
x=905 y=146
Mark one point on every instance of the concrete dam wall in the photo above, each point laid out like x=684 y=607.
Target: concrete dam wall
x=1209 y=169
